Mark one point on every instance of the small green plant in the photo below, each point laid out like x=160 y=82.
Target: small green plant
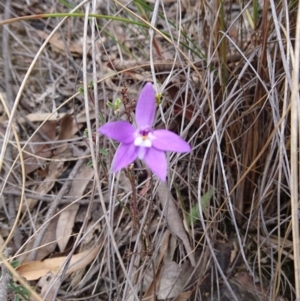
x=90 y=87
x=86 y=133
x=115 y=106
x=194 y=213
x=103 y=151
x=18 y=291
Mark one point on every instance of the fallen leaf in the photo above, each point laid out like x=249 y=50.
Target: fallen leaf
x=48 y=243
x=37 y=146
x=151 y=289
x=150 y=294
x=48 y=286
x=68 y=128
x=58 y=45
x=172 y=279
x=87 y=241
x=66 y=219
x=162 y=256
x=39 y=117
x=36 y=269
x=90 y=231
x=64 y=227
x=174 y=221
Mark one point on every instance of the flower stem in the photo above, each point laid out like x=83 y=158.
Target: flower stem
x=133 y=204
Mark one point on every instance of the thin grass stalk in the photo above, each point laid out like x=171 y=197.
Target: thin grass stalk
x=295 y=158
x=282 y=152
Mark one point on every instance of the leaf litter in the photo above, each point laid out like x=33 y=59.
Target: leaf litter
x=222 y=89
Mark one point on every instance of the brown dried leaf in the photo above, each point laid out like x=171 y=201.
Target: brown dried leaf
x=58 y=45
x=36 y=147
x=36 y=269
x=64 y=227
x=150 y=292
x=48 y=286
x=174 y=221
x=39 y=117
x=68 y=128
x=91 y=229
x=86 y=244
x=48 y=243
x=172 y=279
x=67 y=217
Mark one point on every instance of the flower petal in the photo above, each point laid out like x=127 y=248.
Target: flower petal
x=168 y=141
x=125 y=155
x=121 y=131
x=145 y=108
x=157 y=162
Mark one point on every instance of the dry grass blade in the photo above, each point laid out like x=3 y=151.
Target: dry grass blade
x=295 y=123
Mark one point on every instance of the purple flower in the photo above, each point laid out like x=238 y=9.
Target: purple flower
x=144 y=142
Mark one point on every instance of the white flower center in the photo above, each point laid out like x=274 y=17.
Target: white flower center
x=144 y=138
x=143 y=141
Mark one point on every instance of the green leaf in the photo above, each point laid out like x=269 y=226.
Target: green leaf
x=194 y=213
x=80 y=90
x=103 y=151
x=117 y=104
x=86 y=133
x=15 y=263
x=110 y=105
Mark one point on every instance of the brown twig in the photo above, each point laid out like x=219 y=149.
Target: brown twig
x=133 y=204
